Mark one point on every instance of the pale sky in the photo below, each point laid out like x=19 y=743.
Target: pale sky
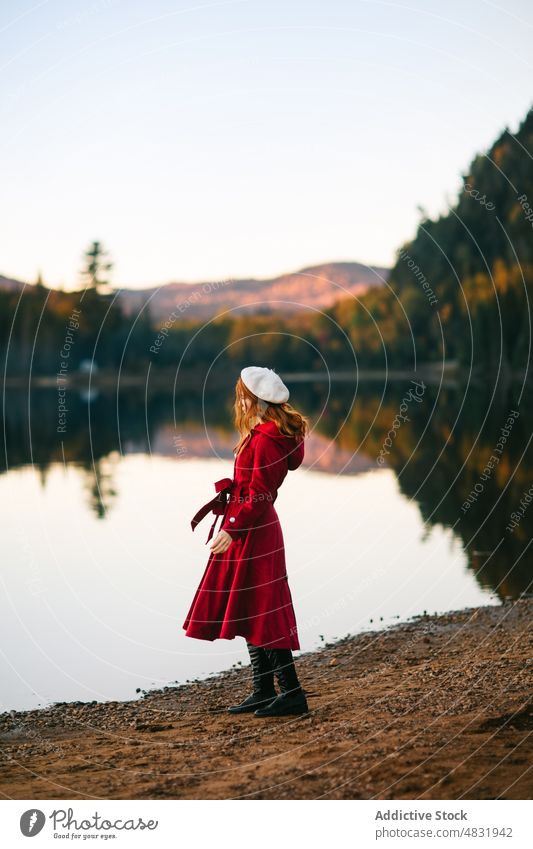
x=208 y=140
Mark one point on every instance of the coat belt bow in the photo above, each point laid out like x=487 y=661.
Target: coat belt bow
x=217 y=505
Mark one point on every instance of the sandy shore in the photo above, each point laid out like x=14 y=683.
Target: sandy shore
x=438 y=708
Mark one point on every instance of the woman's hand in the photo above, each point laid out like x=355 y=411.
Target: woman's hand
x=221 y=542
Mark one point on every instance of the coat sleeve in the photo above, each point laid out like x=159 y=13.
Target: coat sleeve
x=269 y=470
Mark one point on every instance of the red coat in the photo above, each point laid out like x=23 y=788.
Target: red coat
x=245 y=591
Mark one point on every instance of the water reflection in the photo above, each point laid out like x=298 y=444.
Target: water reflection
x=440 y=452
x=100 y=565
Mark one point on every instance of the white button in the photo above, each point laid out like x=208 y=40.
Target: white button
x=232 y=518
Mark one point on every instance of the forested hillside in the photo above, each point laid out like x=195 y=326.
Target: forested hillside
x=478 y=260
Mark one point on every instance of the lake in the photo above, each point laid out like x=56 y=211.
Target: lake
x=398 y=509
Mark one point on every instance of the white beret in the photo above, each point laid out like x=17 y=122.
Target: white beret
x=265 y=383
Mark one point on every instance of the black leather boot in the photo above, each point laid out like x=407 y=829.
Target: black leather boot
x=263 y=681
x=292 y=698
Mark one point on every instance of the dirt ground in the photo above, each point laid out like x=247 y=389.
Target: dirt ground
x=438 y=708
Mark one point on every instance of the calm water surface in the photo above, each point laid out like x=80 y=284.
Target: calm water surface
x=100 y=564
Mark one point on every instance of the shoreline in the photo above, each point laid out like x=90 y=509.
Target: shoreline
x=434 y=373
x=438 y=707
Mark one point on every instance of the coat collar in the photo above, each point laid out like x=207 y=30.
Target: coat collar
x=269 y=427
x=295 y=452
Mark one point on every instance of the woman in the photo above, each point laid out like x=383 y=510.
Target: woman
x=244 y=590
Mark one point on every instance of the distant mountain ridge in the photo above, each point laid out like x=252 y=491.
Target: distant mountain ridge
x=7 y=284
x=318 y=286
